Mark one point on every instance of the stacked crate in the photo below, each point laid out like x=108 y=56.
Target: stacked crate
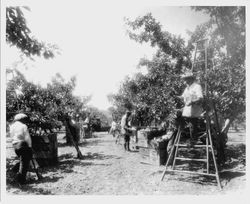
x=151 y=151
x=45 y=149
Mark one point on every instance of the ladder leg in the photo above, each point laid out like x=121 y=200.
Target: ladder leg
x=193 y=64
x=190 y=132
x=207 y=150
x=171 y=153
x=214 y=159
x=176 y=150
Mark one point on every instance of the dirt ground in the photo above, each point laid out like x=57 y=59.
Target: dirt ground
x=108 y=170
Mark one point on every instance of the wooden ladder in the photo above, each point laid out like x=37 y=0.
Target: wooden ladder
x=209 y=144
x=209 y=149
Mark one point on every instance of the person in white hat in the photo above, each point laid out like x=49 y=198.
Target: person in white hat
x=192 y=96
x=192 y=110
x=113 y=128
x=22 y=144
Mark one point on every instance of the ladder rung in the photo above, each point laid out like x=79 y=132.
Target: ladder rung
x=200 y=50
x=191 y=172
x=181 y=145
x=190 y=159
x=201 y=40
x=199 y=61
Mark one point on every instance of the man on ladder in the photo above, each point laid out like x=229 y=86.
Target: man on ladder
x=192 y=99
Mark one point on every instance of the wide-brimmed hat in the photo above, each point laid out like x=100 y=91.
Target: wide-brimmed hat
x=188 y=74
x=128 y=112
x=20 y=116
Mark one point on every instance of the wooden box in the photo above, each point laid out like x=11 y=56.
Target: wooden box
x=45 y=149
x=142 y=138
x=152 y=156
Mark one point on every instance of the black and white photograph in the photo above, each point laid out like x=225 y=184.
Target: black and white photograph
x=119 y=98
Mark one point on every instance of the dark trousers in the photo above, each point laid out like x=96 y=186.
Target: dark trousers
x=135 y=135
x=24 y=152
x=126 y=141
x=183 y=122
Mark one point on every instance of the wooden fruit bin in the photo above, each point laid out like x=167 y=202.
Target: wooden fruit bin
x=152 y=156
x=45 y=149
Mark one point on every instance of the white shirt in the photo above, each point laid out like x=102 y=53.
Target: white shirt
x=113 y=125
x=124 y=124
x=73 y=122
x=192 y=93
x=19 y=133
x=87 y=120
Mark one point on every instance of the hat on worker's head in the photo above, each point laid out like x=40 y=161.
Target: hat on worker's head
x=128 y=112
x=20 y=116
x=188 y=75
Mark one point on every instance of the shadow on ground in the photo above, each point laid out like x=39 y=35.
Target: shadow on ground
x=98 y=156
x=12 y=184
x=87 y=142
x=202 y=180
x=28 y=189
x=66 y=164
x=235 y=157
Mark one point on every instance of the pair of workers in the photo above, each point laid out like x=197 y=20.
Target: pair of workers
x=129 y=128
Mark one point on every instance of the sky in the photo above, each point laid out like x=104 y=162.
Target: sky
x=93 y=43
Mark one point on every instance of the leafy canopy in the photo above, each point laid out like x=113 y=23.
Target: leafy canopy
x=153 y=95
x=46 y=107
x=19 y=35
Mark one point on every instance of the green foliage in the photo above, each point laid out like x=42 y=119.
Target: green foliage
x=173 y=46
x=97 y=115
x=18 y=34
x=230 y=26
x=153 y=95
x=46 y=107
x=114 y=112
x=226 y=76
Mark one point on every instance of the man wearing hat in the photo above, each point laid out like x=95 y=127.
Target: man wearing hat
x=192 y=96
x=126 y=129
x=21 y=142
x=134 y=122
x=192 y=110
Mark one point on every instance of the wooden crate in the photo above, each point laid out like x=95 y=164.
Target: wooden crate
x=142 y=138
x=45 y=149
x=152 y=156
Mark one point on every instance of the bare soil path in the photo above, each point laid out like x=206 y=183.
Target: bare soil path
x=108 y=170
